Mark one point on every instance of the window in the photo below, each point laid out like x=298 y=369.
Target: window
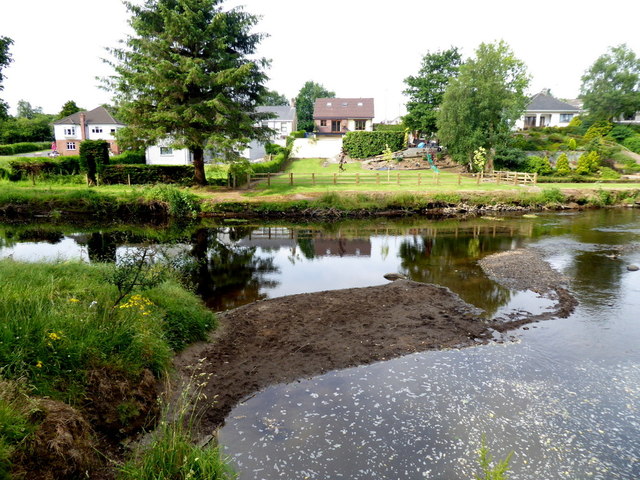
x=69 y=131
x=335 y=125
x=630 y=117
x=328 y=104
x=566 y=117
x=361 y=124
x=113 y=131
x=96 y=129
x=166 y=151
x=71 y=145
x=323 y=123
x=283 y=127
x=360 y=104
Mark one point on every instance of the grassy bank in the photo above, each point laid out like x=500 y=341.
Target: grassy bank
x=82 y=353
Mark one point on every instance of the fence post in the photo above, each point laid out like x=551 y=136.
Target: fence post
x=335 y=178
x=398 y=178
x=535 y=178
x=291 y=179
x=377 y=179
x=313 y=179
x=268 y=179
x=459 y=179
x=515 y=179
x=129 y=179
x=357 y=179
x=498 y=178
x=478 y=179
x=248 y=181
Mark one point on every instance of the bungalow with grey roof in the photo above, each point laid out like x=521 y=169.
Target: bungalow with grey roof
x=545 y=110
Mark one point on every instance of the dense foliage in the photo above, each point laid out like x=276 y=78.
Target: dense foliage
x=24 y=147
x=189 y=74
x=94 y=155
x=368 y=144
x=426 y=89
x=611 y=86
x=147 y=174
x=305 y=102
x=69 y=108
x=5 y=59
x=272 y=98
x=481 y=105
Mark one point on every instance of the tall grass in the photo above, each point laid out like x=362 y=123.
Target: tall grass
x=57 y=323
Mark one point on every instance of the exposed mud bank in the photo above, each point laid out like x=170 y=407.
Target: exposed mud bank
x=284 y=339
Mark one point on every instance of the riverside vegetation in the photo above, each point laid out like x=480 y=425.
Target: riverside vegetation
x=84 y=349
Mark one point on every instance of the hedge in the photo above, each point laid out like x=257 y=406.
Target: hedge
x=369 y=144
x=25 y=147
x=147 y=174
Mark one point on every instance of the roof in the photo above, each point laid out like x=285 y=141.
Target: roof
x=336 y=108
x=284 y=113
x=98 y=115
x=542 y=102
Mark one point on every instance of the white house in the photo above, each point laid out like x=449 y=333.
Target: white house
x=283 y=124
x=96 y=124
x=633 y=119
x=546 y=111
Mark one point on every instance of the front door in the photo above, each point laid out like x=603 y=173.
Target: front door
x=335 y=125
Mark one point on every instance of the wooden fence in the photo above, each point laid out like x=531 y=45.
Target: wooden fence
x=417 y=178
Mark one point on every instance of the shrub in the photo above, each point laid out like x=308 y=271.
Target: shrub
x=181 y=203
x=369 y=144
x=24 y=147
x=298 y=134
x=147 y=174
x=94 y=155
x=607 y=173
x=621 y=132
x=562 y=165
x=552 y=196
x=633 y=143
x=572 y=144
x=598 y=130
x=539 y=165
x=588 y=163
x=130 y=157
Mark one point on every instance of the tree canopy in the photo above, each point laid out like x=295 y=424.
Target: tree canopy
x=426 y=89
x=5 y=60
x=481 y=105
x=25 y=110
x=611 y=86
x=69 y=108
x=273 y=98
x=185 y=76
x=305 y=102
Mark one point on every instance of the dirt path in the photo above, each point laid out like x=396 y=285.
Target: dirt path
x=284 y=339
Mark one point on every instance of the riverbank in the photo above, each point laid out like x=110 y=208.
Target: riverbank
x=284 y=339
x=23 y=202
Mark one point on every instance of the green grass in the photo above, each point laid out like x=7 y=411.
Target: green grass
x=52 y=333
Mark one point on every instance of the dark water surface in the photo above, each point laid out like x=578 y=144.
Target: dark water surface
x=564 y=395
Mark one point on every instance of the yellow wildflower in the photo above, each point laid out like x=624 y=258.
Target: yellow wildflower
x=38 y=364
x=54 y=336
x=74 y=300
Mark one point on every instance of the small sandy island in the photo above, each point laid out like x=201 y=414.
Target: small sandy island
x=283 y=339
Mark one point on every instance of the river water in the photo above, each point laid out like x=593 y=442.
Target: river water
x=563 y=395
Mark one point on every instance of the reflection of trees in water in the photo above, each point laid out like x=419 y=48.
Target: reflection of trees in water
x=452 y=262
x=596 y=278
x=229 y=275
x=101 y=247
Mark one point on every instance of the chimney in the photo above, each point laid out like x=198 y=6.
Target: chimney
x=83 y=125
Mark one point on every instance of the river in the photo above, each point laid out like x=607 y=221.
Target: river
x=562 y=395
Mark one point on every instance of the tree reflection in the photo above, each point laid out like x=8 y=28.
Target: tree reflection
x=452 y=262
x=228 y=274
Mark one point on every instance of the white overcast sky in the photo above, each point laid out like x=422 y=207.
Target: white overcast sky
x=357 y=48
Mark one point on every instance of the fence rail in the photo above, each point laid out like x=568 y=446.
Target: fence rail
x=391 y=178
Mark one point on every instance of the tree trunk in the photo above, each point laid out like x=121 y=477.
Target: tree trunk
x=488 y=166
x=198 y=165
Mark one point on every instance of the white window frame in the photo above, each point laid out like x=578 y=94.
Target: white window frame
x=362 y=123
x=71 y=145
x=96 y=129
x=69 y=131
x=566 y=117
x=166 y=151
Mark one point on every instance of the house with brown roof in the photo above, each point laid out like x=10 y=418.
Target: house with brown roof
x=96 y=124
x=337 y=116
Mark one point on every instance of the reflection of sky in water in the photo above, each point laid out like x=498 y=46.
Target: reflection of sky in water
x=66 y=249
x=565 y=399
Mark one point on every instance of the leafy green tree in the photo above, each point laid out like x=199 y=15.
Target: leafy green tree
x=25 y=110
x=305 y=102
x=188 y=74
x=481 y=105
x=69 y=108
x=611 y=86
x=273 y=98
x=426 y=89
x=5 y=60
x=588 y=163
